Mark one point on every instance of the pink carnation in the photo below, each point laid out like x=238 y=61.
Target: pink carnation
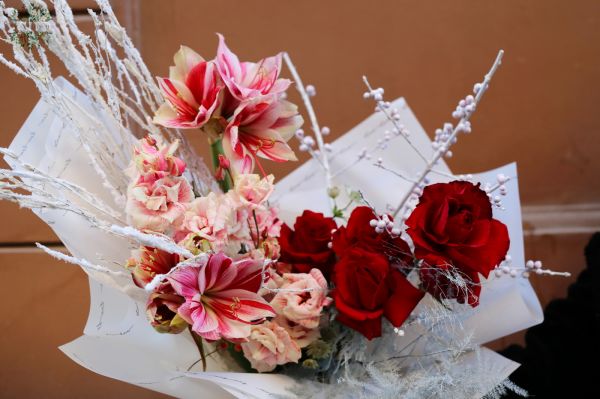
x=270 y=345
x=218 y=219
x=155 y=205
x=301 y=335
x=153 y=159
x=302 y=298
x=252 y=190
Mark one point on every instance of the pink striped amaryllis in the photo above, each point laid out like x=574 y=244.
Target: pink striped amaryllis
x=191 y=91
x=261 y=128
x=247 y=80
x=221 y=299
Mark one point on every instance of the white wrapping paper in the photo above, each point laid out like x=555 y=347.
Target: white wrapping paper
x=118 y=342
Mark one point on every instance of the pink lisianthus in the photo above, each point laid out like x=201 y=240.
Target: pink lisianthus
x=260 y=128
x=191 y=91
x=252 y=190
x=161 y=310
x=153 y=159
x=302 y=298
x=221 y=299
x=301 y=335
x=270 y=345
x=147 y=262
x=156 y=205
x=246 y=80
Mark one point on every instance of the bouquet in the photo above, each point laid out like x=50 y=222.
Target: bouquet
x=371 y=270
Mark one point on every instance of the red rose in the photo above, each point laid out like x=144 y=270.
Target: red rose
x=360 y=234
x=454 y=221
x=307 y=246
x=367 y=288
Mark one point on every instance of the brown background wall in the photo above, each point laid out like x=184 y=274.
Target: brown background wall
x=541 y=111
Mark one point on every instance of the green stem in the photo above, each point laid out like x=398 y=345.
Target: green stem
x=200 y=345
x=216 y=149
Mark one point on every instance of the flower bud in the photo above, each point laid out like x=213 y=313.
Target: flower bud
x=161 y=310
x=333 y=192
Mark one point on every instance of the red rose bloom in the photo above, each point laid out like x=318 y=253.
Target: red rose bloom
x=454 y=222
x=367 y=288
x=360 y=234
x=307 y=246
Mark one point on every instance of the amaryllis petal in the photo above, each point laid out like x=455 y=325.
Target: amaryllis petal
x=185 y=59
x=185 y=281
x=180 y=96
x=191 y=92
x=260 y=128
x=221 y=296
x=249 y=80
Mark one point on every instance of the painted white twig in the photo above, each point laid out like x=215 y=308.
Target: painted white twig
x=151 y=240
x=313 y=119
x=440 y=153
x=394 y=122
x=80 y=262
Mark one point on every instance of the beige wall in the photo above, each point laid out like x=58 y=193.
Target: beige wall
x=541 y=111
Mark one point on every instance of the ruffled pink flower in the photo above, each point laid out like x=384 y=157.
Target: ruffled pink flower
x=302 y=298
x=191 y=91
x=252 y=190
x=221 y=299
x=260 y=128
x=269 y=223
x=301 y=335
x=216 y=218
x=154 y=159
x=270 y=345
x=246 y=80
x=156 y=205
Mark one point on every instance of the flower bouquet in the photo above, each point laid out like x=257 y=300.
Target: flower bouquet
x=370 y=271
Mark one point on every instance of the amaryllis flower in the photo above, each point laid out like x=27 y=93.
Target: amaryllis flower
x=155 y=205
x=221 y=299
x=246 y=80
x=147 y=262
x=260 y=128
x=191 y=91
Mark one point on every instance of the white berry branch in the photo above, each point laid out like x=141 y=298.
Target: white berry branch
x=377 y=95
x=463 y=124
x=312 y=117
